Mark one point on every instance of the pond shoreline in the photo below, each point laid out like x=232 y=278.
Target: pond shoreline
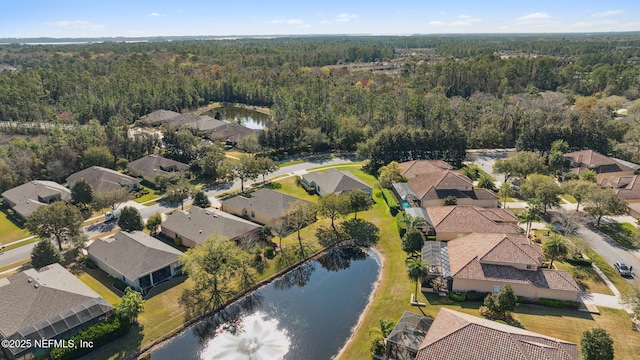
x=145 y=352
x=218 y=104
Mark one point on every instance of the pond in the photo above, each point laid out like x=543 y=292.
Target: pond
x=249 y=118
x=308 y=313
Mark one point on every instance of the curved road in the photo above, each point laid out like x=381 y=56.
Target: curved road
x=24 y=252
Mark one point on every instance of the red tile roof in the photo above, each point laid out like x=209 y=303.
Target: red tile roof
x=455 y=335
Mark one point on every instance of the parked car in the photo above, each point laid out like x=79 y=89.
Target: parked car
x=622 y=268
x=112 y=215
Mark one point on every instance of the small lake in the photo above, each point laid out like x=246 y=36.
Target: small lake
x=306 y=314
x=249 y=118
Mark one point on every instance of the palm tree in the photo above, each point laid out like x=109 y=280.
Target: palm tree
x=386 y=326
x=555 y=247
x=505 y=191
x=412 y=222
x=527 y=217
x=418 y=270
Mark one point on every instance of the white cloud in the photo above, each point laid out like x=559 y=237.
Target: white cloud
x=437 y=23
x=346 y=17
x=156 y=14
x=287 y=21
x=608 y=13
x=534 y=16
x=77 y=25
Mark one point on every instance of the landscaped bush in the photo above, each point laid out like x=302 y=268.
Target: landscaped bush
x=462 y=296
x=391 y=201
x=307 y=188
x=177 y=241
x=99 y=334
x=402 y=226
x=556 y=303
x=268 y=252
x=520 y=299
x=576 y=261
x=89 y=263
x=476 y=295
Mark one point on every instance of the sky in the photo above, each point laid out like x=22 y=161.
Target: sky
x=137 y=18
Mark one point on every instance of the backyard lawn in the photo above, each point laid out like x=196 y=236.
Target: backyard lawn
x=10 y=229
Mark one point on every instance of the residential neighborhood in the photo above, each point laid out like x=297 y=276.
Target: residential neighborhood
x=302 y=184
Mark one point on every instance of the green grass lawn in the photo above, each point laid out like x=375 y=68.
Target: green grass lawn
x=99 y=281
x=152 y=195
x=568 y=198
x=620 y=232
x=11 y=228
x=290 y=187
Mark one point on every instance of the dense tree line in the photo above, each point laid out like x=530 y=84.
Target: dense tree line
x=491 y=91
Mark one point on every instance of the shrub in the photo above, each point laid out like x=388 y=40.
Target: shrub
x=307 y=188
x=520 y=299
x=89 y=263
x=268 y=252
x=99 y=334
x=476 y=295
x=462 y=296
x=177 y=241
x=391 y=201
x=579 y=261
x=402 y=226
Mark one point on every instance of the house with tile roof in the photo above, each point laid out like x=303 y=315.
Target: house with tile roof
x=264 y=206
x=627 y=188
x=103 y=180
x=159 y=117
x=451 y=222
x=50 y=303
x=151 y=165
x=195 y=225
x=137 y=259
x=455 y=335
x=487 y=262
x=26 y=198
x=411 y=169
x=603 y=165
x=335 y=181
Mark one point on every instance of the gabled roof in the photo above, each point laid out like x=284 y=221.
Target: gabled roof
x=468 y=219
x=625 y=187
x=411 y=169
x=336 y=181
x=444 y=183
x=229 y=131
x=487 y=257
x=455 y=335
x=152 y=165
x=265 y=201
x=31 y=297
x=198 y=224
x=160 y=116
x=133 y=254
x=102 y=179
x=589 y=159
x=28 y=197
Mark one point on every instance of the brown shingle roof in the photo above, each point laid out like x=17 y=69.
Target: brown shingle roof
x=468 y=219
x=265 y=201
x=336 y=181
x=626 y=187
x=589 y=159
x=152 y=165
x=159 y=116
x=57 y=291
x=198 y=224
x=411 y=169
x=455 y=335
x=133 y=254
x=102 y=179
x=443 y=183
x=28 y=197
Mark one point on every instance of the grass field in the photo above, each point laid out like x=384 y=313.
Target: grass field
x=568 y=198
x=152 y=195
x=11 y=229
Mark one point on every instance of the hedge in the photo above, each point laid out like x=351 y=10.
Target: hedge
x=580 y=262
x=476 y=295
x=100 y=334
x=458 y=297
x=402 y=226
x=556 y=303
x=391 y=201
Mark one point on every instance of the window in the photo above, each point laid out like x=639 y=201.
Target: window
x=253 y=214
x=530 y=267
x=497 y=289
